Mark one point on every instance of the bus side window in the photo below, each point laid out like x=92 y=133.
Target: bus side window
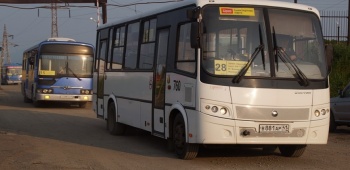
x=118 y=47
x=148 y=44
x=186 y=60
x=132 y=42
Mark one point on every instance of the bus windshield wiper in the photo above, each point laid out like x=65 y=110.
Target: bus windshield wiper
x=244 y=70
x=280 y=53
x=72 y=72
x=303 y=80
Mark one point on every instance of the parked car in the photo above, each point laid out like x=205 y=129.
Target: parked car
x=340 y=109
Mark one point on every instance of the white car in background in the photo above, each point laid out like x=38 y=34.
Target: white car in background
x=340 y=109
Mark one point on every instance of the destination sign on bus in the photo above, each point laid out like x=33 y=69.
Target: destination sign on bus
x=227 y=67
x=237 y=11
x=47 y=72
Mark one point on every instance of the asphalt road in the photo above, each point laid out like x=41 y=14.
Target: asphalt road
x=67 y=137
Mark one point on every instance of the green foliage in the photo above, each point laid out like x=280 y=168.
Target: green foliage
x=340 y=75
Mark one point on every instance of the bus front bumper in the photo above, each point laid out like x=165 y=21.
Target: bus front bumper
x=64 y=97
x=215 y=130
x=14 y=81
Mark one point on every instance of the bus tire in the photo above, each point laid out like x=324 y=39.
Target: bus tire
x=36 y=103
x=332 y=124
x=114 y=128
x=292 y=150
x=25 y=98
x=183 y=149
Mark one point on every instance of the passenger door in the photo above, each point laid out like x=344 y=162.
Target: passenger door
x=159 y=82
x=100 y=76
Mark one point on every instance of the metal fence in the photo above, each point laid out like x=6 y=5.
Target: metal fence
x=335 y=25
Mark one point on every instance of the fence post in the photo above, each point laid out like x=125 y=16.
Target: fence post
x=338 y=32
x=348 y=43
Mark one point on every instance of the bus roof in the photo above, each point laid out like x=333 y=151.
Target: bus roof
x=270 y=3
x=13 y=65
x=58 y=40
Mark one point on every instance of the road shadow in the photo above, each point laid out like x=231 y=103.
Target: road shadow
x=59 y=121
x=93 y=132
x=234 y=151
x=342 y=130
x=7 y=99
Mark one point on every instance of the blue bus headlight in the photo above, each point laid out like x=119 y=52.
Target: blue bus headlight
x=84 y=91
x=44 y=91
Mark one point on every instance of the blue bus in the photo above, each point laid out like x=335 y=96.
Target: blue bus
x=60 y=70
x=11 y=73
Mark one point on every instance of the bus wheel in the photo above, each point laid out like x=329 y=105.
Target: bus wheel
x=36 y=103
x=115 y=128
x=292 y=150
x=25 y=98
x=332 y=124
x=82 y=104
x=183 y=149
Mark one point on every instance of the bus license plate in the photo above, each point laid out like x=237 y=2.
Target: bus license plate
x=266 y=128
x=67 y=97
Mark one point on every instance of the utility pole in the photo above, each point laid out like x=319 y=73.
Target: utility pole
x=5 y=52
x=54 y=30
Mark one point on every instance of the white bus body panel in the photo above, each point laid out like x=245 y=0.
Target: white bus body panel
x=184 y=94
x=134 y=107
x=133 y=85
x=129 y=112
x=271 y=97
x=94 y=96
x=146 y=116
x=158 y=125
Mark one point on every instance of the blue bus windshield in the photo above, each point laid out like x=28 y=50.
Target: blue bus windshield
x=66 y=65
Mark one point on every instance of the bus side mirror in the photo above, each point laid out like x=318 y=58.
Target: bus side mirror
x=193 y=14
x=194 y=35
x=329 y=56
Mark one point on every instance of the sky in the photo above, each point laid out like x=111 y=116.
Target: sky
x=31 y=26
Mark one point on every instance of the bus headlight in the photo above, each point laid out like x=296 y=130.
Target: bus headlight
x=223 y=111
x=45 y=91
x=214 y=109
x=317 y=113
x=321 y=112
x=85 y=91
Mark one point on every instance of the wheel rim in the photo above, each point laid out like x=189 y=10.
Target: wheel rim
x=110 y=118
x=179 y=136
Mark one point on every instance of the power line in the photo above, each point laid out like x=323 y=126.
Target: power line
x=85 y=6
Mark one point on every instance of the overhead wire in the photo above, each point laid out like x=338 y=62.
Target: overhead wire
x=88 y=6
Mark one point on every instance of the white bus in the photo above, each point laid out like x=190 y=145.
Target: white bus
x=216 y=72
